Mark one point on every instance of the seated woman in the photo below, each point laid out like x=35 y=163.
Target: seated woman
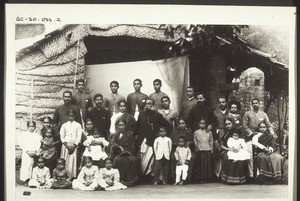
x=269 y=162
x=232 y=172
x=122 y=147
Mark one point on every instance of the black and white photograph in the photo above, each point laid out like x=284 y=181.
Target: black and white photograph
x=149 y=102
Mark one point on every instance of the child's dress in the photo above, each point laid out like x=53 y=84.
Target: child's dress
x=87 y=175
x=111 y=175
x=97 y=152
x=29 y=142
x=203 y=159
x=61 y=179
x=242 y=154
x=70 y=133
x=40 y=175
x=47 y=150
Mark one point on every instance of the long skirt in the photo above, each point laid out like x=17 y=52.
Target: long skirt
x=26 y=166
x=270 y=165
x=233 y=172
x=147 y=159
x=71 y=160
x=77 y=185
x=127 y=164
x=203 y=166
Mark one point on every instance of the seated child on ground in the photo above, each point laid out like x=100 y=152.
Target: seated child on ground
x=40 y=176
x=109 y=177
x=61 y=176
x=239 y=147
x=88 y=176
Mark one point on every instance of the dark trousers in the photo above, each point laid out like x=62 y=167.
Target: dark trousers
x=162 y=164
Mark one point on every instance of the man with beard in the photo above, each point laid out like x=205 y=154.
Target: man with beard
x=220 y=114
x=146 y=130
x=199 y=111
x=188 y=104
x=251 y=120
x=100 y=117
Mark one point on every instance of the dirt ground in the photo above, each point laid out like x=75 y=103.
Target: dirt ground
x=191 y=191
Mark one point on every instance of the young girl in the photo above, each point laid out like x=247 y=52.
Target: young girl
x=204 y=148
x=234 y=115
x=162 y=149
x=40 y=176
x=95 y=148
x=88 y=177
x=183 y=155
x=109 y=177
x=239 y=147
x=48 y=149
x=70 y=136
x=61 y=176
x=29 y=142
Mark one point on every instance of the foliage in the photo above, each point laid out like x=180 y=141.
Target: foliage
x=203 y=37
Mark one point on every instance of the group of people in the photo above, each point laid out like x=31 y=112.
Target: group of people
x=117 y=143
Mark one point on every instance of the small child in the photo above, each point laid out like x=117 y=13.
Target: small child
x=183 y=155
x=109 y=177
x=48 y=149
x=162 y=147
x=40 y=176
x=30 y=142
x=70 y=136
x=203 y=140
x=61 y=176
x=88 y=177
x=95 y=148
x=234 y=115
x=238 y=147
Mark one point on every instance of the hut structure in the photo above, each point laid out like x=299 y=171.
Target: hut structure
x=55 y=61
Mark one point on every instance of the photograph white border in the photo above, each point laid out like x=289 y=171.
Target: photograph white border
x=142 y=14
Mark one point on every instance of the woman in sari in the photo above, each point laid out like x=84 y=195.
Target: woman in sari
x=126 y=117
x=269 y=161
x=232 y=172
x=122 y=147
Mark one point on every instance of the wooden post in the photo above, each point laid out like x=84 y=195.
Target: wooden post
x=31 y=97
x=282 y=110
x=77 y=55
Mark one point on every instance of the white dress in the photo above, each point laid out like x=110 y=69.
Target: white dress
x=96 y=152
x=28 y=142
x=111 y=175
x=242 y=154
x=70 y=133
x=40 y=175
x=90 y=175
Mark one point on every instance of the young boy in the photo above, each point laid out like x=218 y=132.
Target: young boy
x=157 y=95
x=183 y=156
x=111 y=102
x=162 y=149
x=40 y=176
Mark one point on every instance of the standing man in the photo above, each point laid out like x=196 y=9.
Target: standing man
x=60 y=114
x=100 y=117
x=170 y=115
x=187 y=105
x=157 y=95
x=219 y=114
x=134 y=100
x=82 y=99
x=200 y=110
x=251 y=120
x=146 y=130
x=111 y=102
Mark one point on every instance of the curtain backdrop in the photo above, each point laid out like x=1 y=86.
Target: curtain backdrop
x=174 y=74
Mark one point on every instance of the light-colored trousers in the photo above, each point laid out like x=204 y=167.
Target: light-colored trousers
x=250 y=161
x=181 y=170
